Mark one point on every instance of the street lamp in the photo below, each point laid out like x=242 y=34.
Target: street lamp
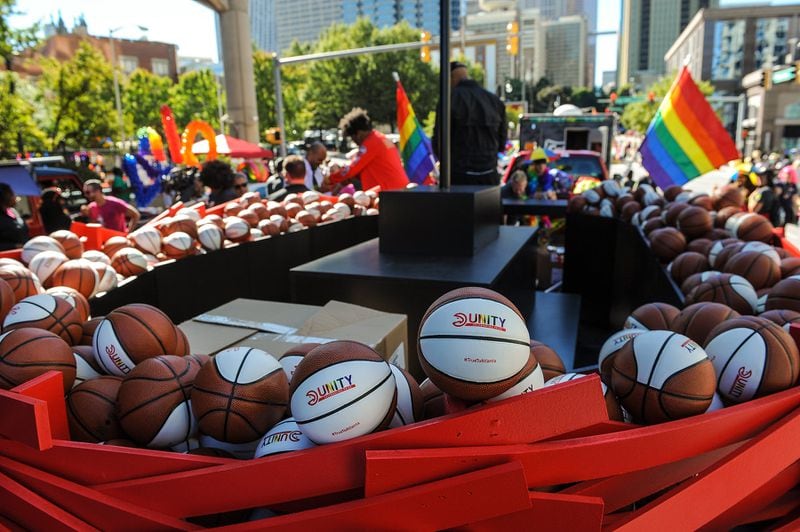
x=120 y=122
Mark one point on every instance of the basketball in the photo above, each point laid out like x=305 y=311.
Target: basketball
x=576 y=204
x=178 y=245
x=306 y=218
x=180 y=223
x=701 y=199
x=790 y=266
x=189 y=213
x=7 y=299
x=96 y=256
x=610 y=348
x=106 y=275
x=729 y=197
x=756 y=267
x=129 y=261
x=73 y=247
x=784 y=318
x=147 y=239
x=154 y=403
x=785 y=295
x=280 y=221
x=261 y=210
x=211 y=237
x=114 y=244
x=531 y=379
x=86 y=367
x=342 y=390
x=720 y=221
x=648 y=213
x=21 y=280
x=473 y=344
x=613 y=407
x=696 y=279
x=662 y=376
x=686 y=264
x=292 y=357
x=672 y=191
x=716 y=249
x=432 y=400
x=725 y=254
x=672 y=212
x=752 y=357
x=667 y=243
x=652 y=316
x=754 y=227
x=91 y=411
x=212 y=219
x=566 y=377
x=183 y=349
x=694 y=222
x=548 y=359
x=88 y=331
x=270 y=228
x=696 y=321
x=44 y=311
x=236 y=229
x=761 y=302
x=249 y=216
x=240 y=394
x=28 y=352
x=242 y=451
x=45 y=263
x=628 y=210
x=77 y=274
x=284 y=437
x=764 y=249
x=718 y=234
x=130 y=335
x=408 y=407
x=731 y=290
x=37 y=244
x=651 y=225
x=700 y=245
x=782 y=253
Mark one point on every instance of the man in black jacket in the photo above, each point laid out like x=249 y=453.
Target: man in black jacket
x=478 y=130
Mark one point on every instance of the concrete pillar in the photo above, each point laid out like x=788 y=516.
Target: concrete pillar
x=237 y=57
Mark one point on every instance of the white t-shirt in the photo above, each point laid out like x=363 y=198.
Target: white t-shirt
x=314 y=178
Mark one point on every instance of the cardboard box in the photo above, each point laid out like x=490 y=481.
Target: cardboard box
x=276 y=327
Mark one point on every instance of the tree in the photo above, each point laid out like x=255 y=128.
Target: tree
x=78 y=96
x=16 y=117
x=194 y=97
x=583 y=97
x=638 y=115
x=143 y=95
x=293 y=80
x=553 y=96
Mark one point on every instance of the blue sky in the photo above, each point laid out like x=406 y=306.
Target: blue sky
x=192 y=26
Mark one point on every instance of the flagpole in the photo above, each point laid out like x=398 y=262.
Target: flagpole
x=444 y=94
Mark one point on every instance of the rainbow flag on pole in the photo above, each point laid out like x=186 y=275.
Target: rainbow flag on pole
x=685 y=138
x=415 y=146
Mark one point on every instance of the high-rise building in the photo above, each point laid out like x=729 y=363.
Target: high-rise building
x=565 y=63
x=418 y=13
x=275 y=24
x=647 y=30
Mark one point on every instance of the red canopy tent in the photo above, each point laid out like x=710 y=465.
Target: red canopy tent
x=235 y=148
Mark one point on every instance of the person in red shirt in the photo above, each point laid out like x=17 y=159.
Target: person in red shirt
x=377 y=162
x=108 y=210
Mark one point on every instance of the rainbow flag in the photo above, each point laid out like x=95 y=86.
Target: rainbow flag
x=415 y=146
x=685 y=138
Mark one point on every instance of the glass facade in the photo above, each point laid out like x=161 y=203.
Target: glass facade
x=423 y=14
x=729 y=37
x=771 y=40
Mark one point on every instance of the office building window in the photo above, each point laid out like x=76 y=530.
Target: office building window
x=726 y=62
x=771 y=41
x=160 y=67
x=128 y=63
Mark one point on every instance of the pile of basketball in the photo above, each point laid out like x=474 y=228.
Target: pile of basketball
x=669 y=364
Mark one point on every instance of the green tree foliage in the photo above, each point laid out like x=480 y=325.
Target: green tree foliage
x=637 y=116
x=194 y=97
x=143 y=95
x=78 y=96
x=293 y=80
x=554 y=95
x=16 y=120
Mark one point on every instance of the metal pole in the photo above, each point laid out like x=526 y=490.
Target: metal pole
x=739 y=119
x=521 y=58
x=219 y=105
x=444 y=94
x=120 y=122
x=276 y=70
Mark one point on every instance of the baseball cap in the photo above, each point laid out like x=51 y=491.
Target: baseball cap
x=456 y=64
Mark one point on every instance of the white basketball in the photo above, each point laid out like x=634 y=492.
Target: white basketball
x=764 y=249
x=186 y=445
x=683 y=197
x=660 y=355
x=178 y=240
x=645 y=214
x=611 y=188
x=606 y=208
x=289 y=364
x=344 y=400
x=147 y=239
x=189 y=213
x=106 y=275
x=372 y=212
x=592 y=196
x=83 y=370
x=31 y=309
x=532 y=381
x=96 y=256
x=761 y=303
x=295 y=227
x=635 y=219
x=284 y=437
x=360 y=198
x=235 y=227
x=733 y=222
x=475 y=339
x=109 y=353
x=343 y=208
x=745 y=290
x=211 y=237
x=256 y=233
x=43 y=264
x=716 y=404
x=566 y=377
x=310 y=196
x=242 y=451
x=37 y=244
x=612 y=345
x=408 y=393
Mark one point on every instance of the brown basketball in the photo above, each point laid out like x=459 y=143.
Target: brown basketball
x=754 y=227
x=732 y=290
x=215 y=219
x=182 y=347
x=790 y=266
x=292 y=209
x=29 y=352
x=132 y=334
x=7 y=299
x=153 y=403
x=694 y=222
x=22 y=281
x=270 y=228
x=672 y=192
x=91 y=411
x=697 y=320
x=180 y=223
x=74 y=298
x=648 y=213
x=723 y=215
x=432 y=400
x=88 y=330
x=700 y=245
x=782 y=317
x=114 y=244
x=729 y=196
x=549 y=361
x=686 y=264
x=240 y=395
x=308 y=219
x=629 y=210
x=77 y=274
x=249 y=216
x=759 y=269
x=652 y=316
x=276 y=208
x=667 y=243
x=701 y=199
x=73 y=247
x=622 y=200
x=718 y=234
x=785 y=295
x=261 y=210
x=44 y=311
x=178 y=245
x=129 y=261
x=695 y=279
x=720 y=259
x=661 y=376
x=576 y=204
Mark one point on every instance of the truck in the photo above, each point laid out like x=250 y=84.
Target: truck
x=572 y=132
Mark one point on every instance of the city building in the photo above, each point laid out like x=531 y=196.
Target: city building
x=418 y=13
x=190 y=64
x=609 y=78
x=772 y=122
x=647 y=30
x=722 y=45
x=565 y=63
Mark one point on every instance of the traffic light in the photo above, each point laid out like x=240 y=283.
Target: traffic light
x=425 y=51
x=273 y=135
x=512 y=40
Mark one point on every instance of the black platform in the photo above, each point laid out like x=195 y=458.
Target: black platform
x=535 y=207
x=408 y=284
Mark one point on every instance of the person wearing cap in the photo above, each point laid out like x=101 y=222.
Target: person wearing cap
x=478 y=130
x=540 y=177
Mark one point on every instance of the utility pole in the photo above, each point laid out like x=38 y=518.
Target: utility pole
x=276 y=70
x=444 y=94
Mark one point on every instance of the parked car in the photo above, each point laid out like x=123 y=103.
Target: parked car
x=577 y=163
